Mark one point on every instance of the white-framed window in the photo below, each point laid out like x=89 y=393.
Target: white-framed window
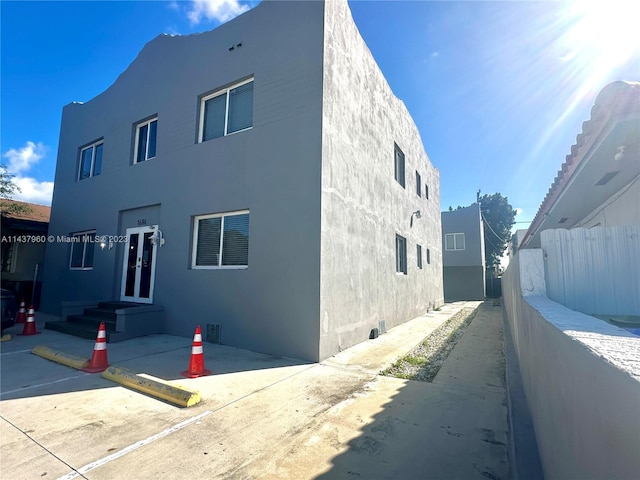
x=221 y=240
x=418 y=184
x=90 y=160
x=419 y=255
x=82 y=243
x=146 y=134
x=226 y=111
x=454 y=241
x=398 y=164
x=401 y=254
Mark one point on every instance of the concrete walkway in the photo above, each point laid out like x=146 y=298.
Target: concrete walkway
x=262 y=417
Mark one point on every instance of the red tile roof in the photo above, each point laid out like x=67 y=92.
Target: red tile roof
x=614 y=100
x=36 y=213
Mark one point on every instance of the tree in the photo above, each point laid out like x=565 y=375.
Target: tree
x=499 y=216
x=7 y=189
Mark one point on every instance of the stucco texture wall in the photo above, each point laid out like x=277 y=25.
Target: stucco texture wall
x=363 y=207
x=273 y=170
x=581 y=379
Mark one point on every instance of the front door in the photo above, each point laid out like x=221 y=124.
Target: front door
x=139 y=265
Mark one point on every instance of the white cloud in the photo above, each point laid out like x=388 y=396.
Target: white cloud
x=518 y=211
x=20 y=161
x=220 y=10
x=24 y=158
x=33 y=191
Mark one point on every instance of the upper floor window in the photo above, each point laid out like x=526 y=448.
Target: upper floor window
x=454 y=241
x=82 y=250
x=426 y=191
x=221 y=240
x=418 y=184
x=398 y=164
x=90 y=161
x=401 y=254
x=227 y=111
x=419 y=255
x=146 y=133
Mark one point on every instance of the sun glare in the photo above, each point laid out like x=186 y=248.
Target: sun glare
x=602 y=35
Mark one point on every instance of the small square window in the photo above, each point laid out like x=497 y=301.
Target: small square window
x=81 y=256
x=454 y=241
x=90 y=161
x=146 y=134
x=418 y=184
x=419 y=254
x=398 y=165
x=401 y=254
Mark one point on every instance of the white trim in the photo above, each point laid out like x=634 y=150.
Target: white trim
x=137 y=139
x=217 y=93
x=84 y=250
x=94 y=146
x=194 y=247
x=455 y=243
x=138 y=275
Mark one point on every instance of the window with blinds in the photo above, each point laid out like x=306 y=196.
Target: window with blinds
x=227 y=111
x=221 y=240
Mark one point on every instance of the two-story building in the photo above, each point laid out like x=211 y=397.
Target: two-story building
x=260 y=179
x=463 y=258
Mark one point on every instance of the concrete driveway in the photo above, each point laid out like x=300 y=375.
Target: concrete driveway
x=261 y=416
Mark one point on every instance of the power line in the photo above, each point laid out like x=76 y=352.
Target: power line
x=487 y=224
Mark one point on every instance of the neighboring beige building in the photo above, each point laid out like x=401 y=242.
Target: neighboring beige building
x=599 y=183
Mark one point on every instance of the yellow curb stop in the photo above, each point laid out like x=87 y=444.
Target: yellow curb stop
x=153 y=386
x=67 y=359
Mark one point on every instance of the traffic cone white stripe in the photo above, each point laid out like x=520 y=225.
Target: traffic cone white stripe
x=100 y=346
x=196 y=350
x=197 y=337
x=102 y=334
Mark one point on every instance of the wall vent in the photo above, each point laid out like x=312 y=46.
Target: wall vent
x=382 y=328
x=213 y=333
x=563 y=219
x=605 y=178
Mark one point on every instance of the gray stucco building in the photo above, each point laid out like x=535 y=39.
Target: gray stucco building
x=260 y=177
x=463 y=254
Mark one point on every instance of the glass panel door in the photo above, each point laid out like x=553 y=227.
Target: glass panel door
x=138 y=268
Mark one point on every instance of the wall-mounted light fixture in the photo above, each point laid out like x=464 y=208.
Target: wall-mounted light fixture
x=416 y=214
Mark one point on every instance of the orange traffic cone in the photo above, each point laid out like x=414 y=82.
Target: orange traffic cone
x=30 y=325
x=98 y=361
x=196 y=365
x=21 y=316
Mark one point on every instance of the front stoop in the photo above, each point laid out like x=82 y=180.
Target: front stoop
x=123 y=320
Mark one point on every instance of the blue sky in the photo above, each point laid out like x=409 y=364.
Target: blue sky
x=499 y=90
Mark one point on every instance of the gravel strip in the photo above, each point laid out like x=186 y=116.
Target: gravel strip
x=424 y=362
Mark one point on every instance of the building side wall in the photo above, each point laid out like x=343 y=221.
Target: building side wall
x=273 y=170
x=468 y=221
x=621 y=209
x=363 y=207
x=463 y=283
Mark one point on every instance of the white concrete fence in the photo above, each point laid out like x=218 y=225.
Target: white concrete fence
x=581 y=378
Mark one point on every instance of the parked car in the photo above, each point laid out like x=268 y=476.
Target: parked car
x=9 y=307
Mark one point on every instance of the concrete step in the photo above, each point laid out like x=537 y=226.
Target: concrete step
x=75 y=329
x=93 y=321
